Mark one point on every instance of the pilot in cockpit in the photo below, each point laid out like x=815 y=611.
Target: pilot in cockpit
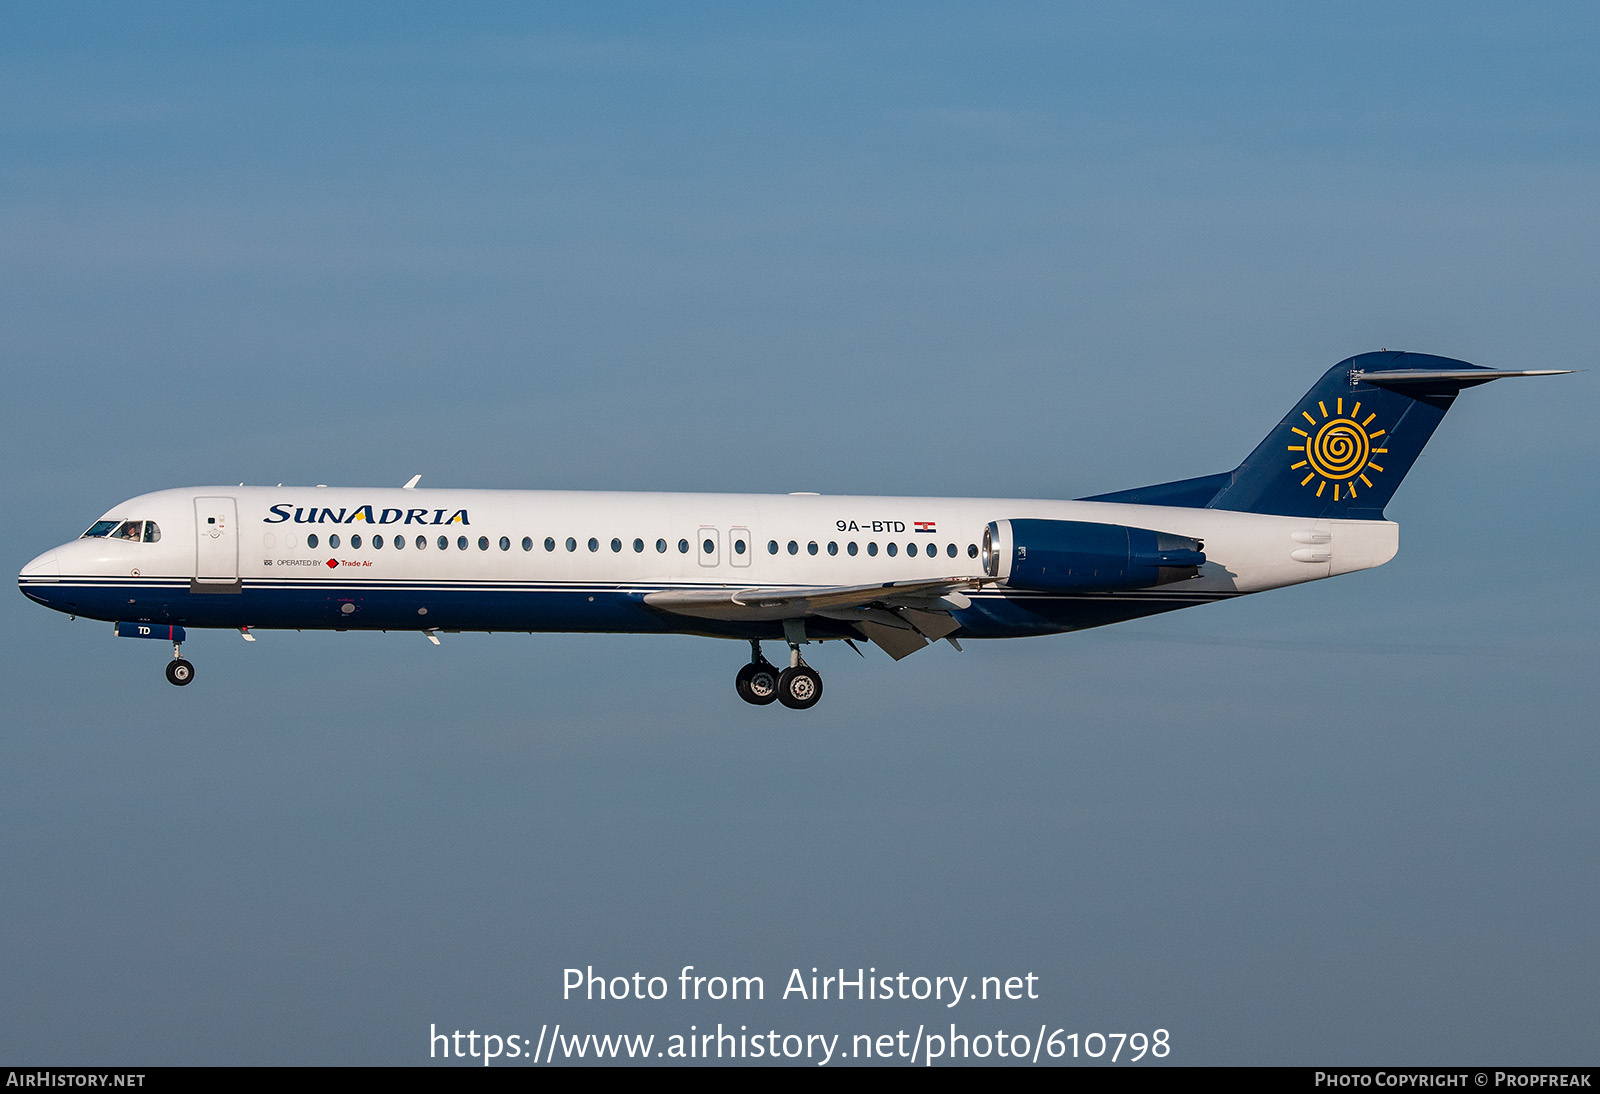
x=131 y=530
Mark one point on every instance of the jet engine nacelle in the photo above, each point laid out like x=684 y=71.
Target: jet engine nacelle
x=1071 y=555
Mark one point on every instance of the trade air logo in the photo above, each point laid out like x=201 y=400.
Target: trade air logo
x=1338 y=451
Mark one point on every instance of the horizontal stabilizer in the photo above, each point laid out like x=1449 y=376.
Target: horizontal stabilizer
x=1453 y=378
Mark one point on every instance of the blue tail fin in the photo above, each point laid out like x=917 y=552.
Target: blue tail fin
x=1342 y=451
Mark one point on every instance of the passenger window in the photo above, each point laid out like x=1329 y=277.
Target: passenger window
x=683 y=546
x=738 y=546
x=972 y=550
x=505 y=543
x=333 y=542
x=872 y=549
x=311 y=541
x=444 y=544
x=893 y=549
x=638 y=546
x=951 y=550
x=572 y=544
x=527 y=543
x=355 y=542
x=377 y=543
x=616 y=546
x=911 y=549
x=461 y=543
x=833 y=548
x=850 y=548
x=811 y=548
x=709 y=546
x=794 y=548
x=661 y=546
x=152 y=534
x=422 y=543
x=399 y=543
x=549 y=543
x=594 y=544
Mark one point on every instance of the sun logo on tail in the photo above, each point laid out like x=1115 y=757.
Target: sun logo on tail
x=1338 y=451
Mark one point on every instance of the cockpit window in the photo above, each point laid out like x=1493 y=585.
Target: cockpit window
x=132 y=530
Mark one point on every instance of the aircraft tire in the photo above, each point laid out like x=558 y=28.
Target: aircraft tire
x=179 y=672
x=757 y=683
x=799 y=687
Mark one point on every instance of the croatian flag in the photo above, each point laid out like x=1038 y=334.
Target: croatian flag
x=925 y=525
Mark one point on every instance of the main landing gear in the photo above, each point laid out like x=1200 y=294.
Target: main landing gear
x=179 y=671
x=757 y=682
x=798 y=687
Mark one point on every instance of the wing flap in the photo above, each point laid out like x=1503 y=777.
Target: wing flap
x=891 y=640
x=899 y=617
x=796 y=602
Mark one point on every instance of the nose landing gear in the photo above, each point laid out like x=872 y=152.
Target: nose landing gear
x=179 y=671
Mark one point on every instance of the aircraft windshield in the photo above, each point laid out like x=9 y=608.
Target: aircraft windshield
x=134 y=531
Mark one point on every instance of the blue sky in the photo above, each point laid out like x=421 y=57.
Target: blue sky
x=912 y=249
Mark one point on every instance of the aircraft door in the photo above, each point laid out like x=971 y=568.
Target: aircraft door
x=707 y=546
x=216 y=554
x=739 y=546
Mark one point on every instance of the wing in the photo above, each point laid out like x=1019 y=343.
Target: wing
x=900 y=617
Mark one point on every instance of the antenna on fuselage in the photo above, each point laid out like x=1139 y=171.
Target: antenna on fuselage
x=411 y=484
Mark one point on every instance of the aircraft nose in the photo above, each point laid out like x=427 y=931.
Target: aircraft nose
x=46 y=565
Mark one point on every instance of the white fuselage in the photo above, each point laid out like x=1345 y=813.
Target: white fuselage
x=524 y=560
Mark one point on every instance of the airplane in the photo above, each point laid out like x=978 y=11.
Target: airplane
x=897 y=572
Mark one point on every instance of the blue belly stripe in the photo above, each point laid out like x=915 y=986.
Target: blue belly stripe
x=541 y=606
